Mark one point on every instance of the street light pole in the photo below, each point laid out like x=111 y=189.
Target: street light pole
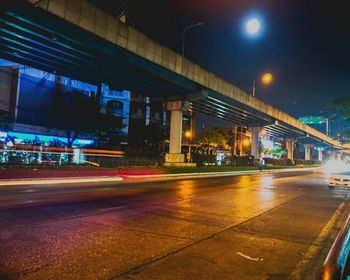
x=326 y=120
x=184 y=35
x=254 y=83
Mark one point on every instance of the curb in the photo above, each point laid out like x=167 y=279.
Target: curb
x=215 y=174
x=160 y=177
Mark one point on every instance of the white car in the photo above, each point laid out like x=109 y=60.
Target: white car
x=339 y=180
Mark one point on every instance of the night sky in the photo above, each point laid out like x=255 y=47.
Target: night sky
x=304 y=44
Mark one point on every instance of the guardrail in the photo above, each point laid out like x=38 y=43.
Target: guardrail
x=337 y=263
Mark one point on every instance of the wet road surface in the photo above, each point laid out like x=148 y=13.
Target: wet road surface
x=268 y=226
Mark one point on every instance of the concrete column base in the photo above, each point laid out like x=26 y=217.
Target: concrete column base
x=172 y=157
x=177 y=160
x=179 y=164
x=308 y=151
x=290 y=149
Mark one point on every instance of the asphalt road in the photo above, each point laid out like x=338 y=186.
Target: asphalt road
x=277 y=226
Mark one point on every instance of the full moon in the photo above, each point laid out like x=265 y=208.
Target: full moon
x=253 y=26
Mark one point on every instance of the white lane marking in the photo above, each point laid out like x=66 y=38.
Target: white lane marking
x=249 y=258
x=59 y=181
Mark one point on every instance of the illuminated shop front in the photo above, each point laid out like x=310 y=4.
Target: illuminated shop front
x=19 y=147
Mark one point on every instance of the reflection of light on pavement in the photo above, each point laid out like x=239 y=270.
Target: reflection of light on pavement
x=244 y=181
x=266 y=184
x=185 y=192
x=266 y=194
x=243 y=198
x=253 y=194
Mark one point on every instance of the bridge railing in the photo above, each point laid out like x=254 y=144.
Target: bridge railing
x=337 y=263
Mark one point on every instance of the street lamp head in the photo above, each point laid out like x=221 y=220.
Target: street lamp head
x=253 y=26
x=266 y=78
x=188 y=134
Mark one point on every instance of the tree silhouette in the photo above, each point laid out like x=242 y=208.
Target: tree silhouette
x=77 y=114
x=214 y=137
x=342 y=107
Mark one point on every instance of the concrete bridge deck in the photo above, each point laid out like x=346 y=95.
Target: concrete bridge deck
x=76 y=38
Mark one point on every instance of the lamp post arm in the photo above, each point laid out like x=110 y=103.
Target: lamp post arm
x=184 y=35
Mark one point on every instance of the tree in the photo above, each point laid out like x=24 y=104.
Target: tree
x=342 y=107
x=78 y=114
x=214 y=137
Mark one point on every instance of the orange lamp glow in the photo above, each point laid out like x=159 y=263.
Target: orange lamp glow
x=266 y=78
x=188 y=134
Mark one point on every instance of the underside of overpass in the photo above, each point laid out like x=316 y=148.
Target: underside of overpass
x=75 y=39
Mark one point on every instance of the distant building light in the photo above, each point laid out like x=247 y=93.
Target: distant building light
x=84 y=141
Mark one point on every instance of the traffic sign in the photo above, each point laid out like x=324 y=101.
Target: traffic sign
x=312 y=119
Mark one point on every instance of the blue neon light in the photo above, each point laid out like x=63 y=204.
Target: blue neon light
x=22 y=136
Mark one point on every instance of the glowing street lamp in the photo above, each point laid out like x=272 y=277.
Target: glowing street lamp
x=265 y=79
x=188 y=135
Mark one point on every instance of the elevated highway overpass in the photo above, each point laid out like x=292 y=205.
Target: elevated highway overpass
x=76 y=39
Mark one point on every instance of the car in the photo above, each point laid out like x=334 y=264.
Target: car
x=339 y=180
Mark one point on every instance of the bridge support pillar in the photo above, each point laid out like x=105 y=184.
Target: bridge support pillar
x=307 y=148
x=255 y=142
x=175 y=157
x=290 y=149
x=320 y=153
x=332 y=157
x=339 y=156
